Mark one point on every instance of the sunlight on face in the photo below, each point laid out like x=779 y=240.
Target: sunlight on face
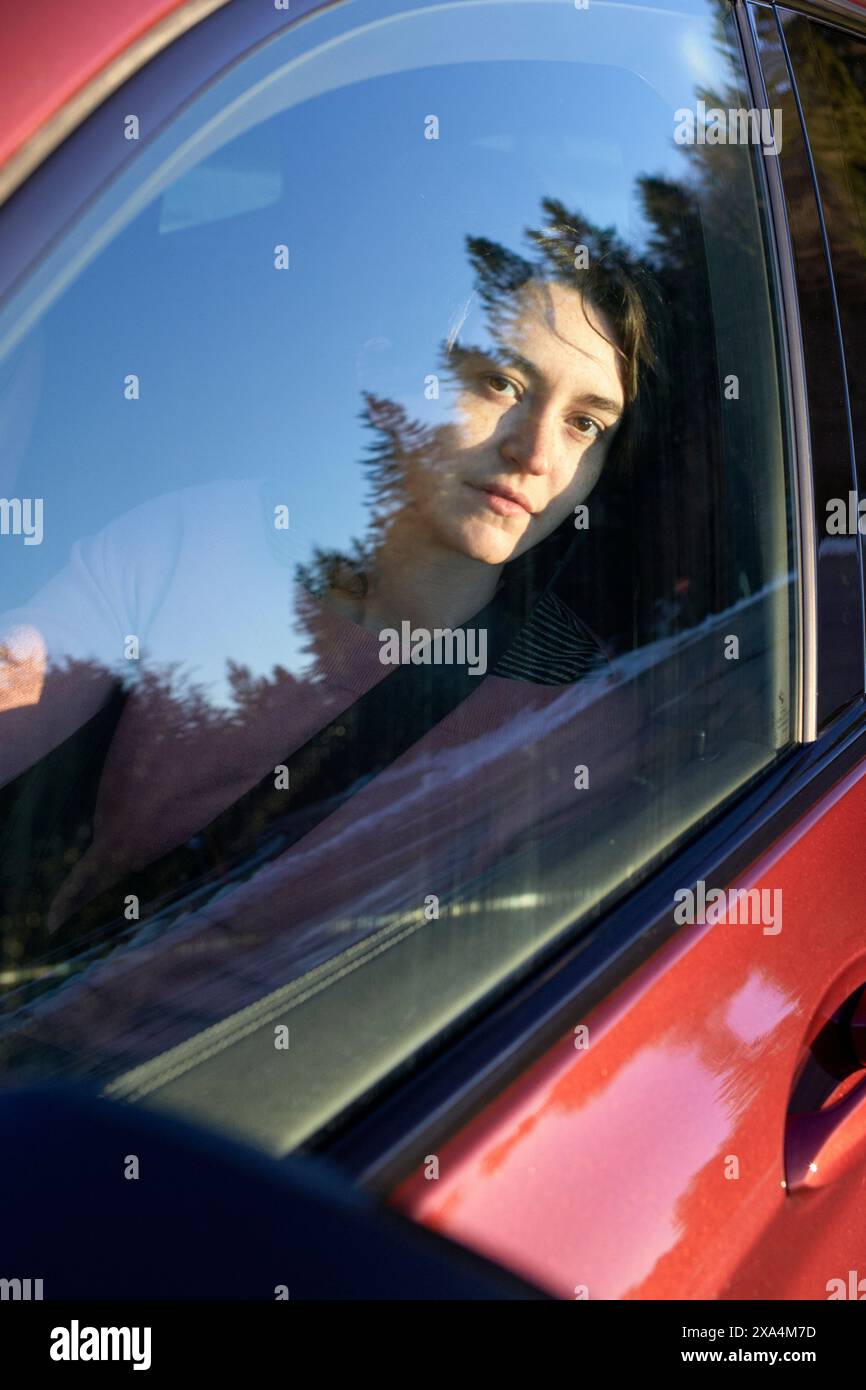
x=535 y=417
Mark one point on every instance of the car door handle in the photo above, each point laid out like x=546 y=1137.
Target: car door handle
x=821 y=1145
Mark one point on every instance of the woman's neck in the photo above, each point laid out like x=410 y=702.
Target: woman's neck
x=427 y=586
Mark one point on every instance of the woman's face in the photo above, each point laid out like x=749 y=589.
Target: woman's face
x=535 y=417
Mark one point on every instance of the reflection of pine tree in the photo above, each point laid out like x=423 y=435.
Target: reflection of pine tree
x=498 y=271
x=395 y=439
x=565 y=229
x=675 y=241
x=49 y=815
x=830 y=67
x=342 y=569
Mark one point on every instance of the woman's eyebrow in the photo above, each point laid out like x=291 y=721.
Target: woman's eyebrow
x=516 y=359
x=603 y=403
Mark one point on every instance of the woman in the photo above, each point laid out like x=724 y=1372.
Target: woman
x=557 y=384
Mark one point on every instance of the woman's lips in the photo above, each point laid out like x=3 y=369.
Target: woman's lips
x=504 y=501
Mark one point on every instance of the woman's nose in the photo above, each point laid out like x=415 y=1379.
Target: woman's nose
x=527 y=444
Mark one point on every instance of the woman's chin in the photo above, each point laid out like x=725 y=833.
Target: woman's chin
x=487 y=554
x=487 y=544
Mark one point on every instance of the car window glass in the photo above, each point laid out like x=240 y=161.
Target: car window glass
x=397 y=546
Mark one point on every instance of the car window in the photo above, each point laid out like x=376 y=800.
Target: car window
x=829 y=67
x=397 y=544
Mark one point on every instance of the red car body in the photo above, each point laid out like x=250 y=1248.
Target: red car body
x=665 y=1161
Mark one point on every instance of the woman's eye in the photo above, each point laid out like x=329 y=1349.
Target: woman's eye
x=584 y=425
x=500 y=384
